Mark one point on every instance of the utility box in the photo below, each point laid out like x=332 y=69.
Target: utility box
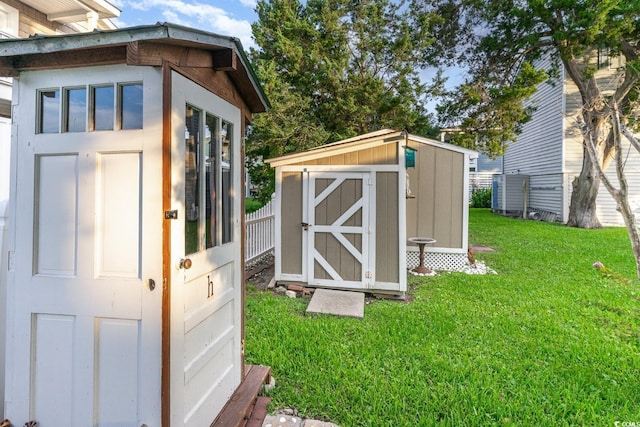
x=510 y=194
x=124 y=293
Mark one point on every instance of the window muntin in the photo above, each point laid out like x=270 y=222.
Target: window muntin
x=130 y=102
x=75 y=108
x=208 y=160
x=211 y=148
x=49 y=111
x=102 y=107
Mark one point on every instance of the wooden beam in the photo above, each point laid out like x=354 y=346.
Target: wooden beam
x=70 y=59
x=7 y=68
x=225 y=60
x=153 y=54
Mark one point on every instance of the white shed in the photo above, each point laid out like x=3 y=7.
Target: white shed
x=125 y=295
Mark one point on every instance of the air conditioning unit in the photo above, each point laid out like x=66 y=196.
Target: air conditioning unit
x=510 y=194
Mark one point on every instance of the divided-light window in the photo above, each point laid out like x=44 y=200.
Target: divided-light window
x=90 y=108
x=208 y=180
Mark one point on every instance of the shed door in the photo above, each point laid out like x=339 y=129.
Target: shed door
x=340 y=241
x=85 y=322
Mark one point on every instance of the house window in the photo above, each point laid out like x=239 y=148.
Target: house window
x=8 y=21
x=130 y=102
x=603 y=58
x=49 y=111
x=208 y=180
x=102 y=107
x=75 y=110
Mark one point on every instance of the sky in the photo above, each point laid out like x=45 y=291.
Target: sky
x=224 y=17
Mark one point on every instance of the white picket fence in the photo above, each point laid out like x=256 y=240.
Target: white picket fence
x=480 y=180
x=260 y=234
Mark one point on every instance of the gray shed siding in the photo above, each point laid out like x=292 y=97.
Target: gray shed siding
x=438 y=184
x=291 y=231
x=387 y=225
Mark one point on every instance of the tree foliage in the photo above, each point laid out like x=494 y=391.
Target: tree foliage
x=499 y=41
x=334 y=69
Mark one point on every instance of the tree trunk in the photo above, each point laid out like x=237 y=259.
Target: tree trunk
x=582 y=210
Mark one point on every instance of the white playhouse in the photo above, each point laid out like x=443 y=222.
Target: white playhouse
x=124 y=299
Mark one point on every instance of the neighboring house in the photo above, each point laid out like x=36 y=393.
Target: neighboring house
x=22 y=19
x=540 y=166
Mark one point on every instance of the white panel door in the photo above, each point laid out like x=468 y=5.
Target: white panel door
x=340 y=243
x=85 y=318
x=206 y=282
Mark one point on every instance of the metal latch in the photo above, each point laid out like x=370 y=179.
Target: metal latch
x=171 y=214
x=305 y=225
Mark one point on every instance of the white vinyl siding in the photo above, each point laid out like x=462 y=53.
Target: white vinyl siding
x=606 y=206
x=546 y=193
x=538 y=150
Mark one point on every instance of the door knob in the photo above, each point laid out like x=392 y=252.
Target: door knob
x=185 y=263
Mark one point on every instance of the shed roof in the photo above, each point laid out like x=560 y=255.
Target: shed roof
x=365 y=141
x=80 y=49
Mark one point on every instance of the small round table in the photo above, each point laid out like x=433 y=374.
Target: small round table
x=421 y=242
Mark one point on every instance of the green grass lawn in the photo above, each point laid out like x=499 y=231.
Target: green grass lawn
x=548 y=341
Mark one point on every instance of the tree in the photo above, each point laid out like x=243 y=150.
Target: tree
x=499 y=40
x=335 y=69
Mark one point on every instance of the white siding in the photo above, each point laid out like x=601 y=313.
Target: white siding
x=538 y=150
x=546 y=193
x=606 y=207
x=607 y=79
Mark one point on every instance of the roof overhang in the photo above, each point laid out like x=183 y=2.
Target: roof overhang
x=143 y=45
x=361 y=142
x=72 y=11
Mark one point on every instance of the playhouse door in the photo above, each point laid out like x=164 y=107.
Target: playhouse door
x=206 y=283
x=85 y=280
x=339 y=244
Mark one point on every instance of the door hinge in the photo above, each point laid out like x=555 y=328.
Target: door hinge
x=242 y=347
x=171 y=214
x=11 y=261
x=368 y=275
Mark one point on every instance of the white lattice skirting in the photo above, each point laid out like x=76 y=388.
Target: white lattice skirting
x=437 y=260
